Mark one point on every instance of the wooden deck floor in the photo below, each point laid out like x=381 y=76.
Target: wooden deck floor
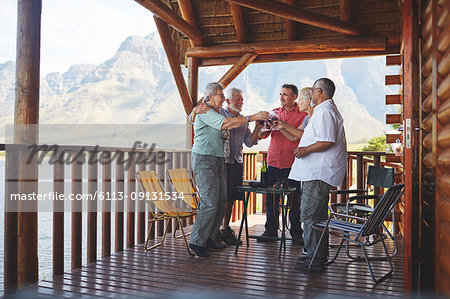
x=256 y=271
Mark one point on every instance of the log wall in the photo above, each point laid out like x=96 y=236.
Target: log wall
x=435 y=173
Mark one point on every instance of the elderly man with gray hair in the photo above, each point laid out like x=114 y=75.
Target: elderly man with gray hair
x=321 y=162
x=208 y=164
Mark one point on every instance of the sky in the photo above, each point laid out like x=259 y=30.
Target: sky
x=96 y=28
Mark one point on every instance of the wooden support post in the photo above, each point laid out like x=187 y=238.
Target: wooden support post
x=410 y=105
x=168 y=16
x=193 y=63
x=295 y=13
x=236 y=69
x=106 y=204
x=26 y=112
x=332 y=45
x=58 y=218
x=239 y=23
x=172 y=56
x=92 y=208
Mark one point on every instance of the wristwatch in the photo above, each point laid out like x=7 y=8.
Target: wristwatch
x=248 y=118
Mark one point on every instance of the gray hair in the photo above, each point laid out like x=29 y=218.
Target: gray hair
x=232 y=91
x=327 y=87
x=211 y=89
x=305 y=93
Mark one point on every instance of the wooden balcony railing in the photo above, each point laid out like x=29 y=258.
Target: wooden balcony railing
x=129 y=219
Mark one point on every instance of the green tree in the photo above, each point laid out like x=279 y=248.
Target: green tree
x=375 y=144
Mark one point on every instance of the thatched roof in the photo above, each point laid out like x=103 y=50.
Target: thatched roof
x=216 y=21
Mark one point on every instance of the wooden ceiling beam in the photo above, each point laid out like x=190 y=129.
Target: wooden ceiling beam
x=215 y=61
x=187 y=12
x=239 y=24
x=172 y=56
x=295 y=13
x=170 y=17
x=304 y=46
x=237 y=68
x=291 y=26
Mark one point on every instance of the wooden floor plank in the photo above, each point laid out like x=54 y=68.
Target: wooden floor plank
x=255 y=271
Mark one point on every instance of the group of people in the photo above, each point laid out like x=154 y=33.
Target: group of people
x=308 y=149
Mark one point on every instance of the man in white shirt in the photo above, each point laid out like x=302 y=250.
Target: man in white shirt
x=321 y=163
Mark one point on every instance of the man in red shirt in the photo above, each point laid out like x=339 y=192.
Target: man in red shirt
x=280 y=158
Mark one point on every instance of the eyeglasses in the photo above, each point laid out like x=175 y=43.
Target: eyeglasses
x=312 y=89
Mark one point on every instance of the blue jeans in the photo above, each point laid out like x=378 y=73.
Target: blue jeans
x=211 y=179
x=272 y=212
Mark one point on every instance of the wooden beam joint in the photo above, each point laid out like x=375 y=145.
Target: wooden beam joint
x=170 y=17
x=237 y=68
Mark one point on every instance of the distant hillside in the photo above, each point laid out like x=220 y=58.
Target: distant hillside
x=135 y=86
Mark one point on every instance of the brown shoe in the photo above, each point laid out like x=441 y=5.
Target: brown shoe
x=229 y=236
x=267 y=237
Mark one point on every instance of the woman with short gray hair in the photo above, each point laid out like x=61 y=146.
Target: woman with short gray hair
x=208 y=165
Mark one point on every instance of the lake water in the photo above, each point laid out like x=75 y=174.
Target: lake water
x=45 y=228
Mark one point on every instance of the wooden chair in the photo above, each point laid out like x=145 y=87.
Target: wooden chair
x=377 y=177
x=358 y=205
x=182 y=182
x=364 y=234
x=164 y=206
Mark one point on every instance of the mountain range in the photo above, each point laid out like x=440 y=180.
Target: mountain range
x=136 y=86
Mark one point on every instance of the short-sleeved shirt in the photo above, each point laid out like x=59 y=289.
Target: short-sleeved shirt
x=238 y=136
x=326 y=124
x=208 y=135
x=281 y=149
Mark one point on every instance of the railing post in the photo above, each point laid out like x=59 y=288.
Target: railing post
x=131 y=204
x=119 y=208
x=359 y=172
x=152 y=166
x=106 y=204
x=376 y=190
x=11 y=229
x=58 y=217
x=141 y=212
x=161 y=171
x=76 y=210
x=92 y=208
